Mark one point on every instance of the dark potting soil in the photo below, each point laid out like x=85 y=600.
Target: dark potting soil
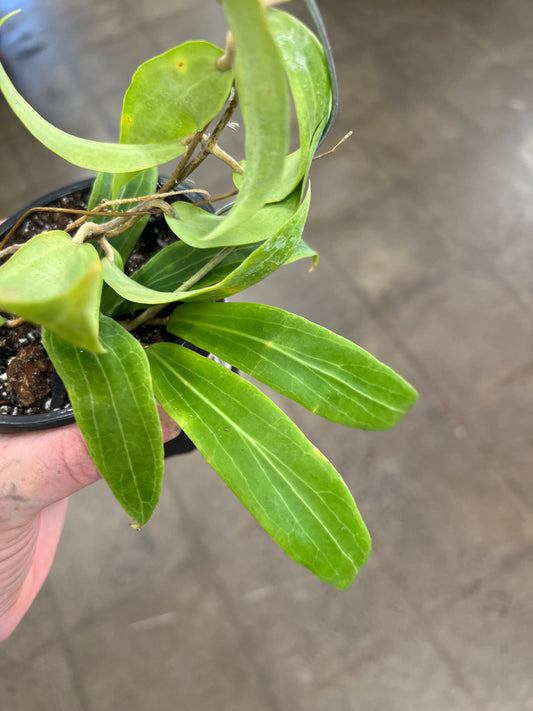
x=29 y=384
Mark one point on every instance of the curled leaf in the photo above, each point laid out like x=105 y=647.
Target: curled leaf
x=56 y=283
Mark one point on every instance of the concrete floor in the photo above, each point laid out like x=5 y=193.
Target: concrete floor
x=424 y=223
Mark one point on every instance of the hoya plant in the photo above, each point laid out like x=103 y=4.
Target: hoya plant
x=72 y=284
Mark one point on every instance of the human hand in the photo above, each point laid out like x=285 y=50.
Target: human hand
x=38 y=472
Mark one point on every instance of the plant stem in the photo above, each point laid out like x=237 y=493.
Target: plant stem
x=179 y=172
x=108 y=250
x=158 y=321
x=203 y=271
x=339 y=143
x=65 y=210
x=8 y=251
x=91 y=231
x=150 y=313
x=14 y=323
x=217 y=151
x=121 y=224
x=221 y=125
x=101 y=209
x=218 y=197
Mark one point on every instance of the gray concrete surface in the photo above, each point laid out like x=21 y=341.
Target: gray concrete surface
x=424 y=223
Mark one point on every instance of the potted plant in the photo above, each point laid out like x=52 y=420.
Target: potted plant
x=72 y=283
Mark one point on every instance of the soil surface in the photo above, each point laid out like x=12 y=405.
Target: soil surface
x=29 y=384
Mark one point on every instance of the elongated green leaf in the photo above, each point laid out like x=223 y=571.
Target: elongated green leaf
x=114 y=406
x=307 y=70
x=168 y=269
x=164 y=272
x=175 y=264
x=282 y=479
x=246 y=262
x=262 y=88
x=101 y=189
x=198 y=228
x=144 y=183
x=132 y=290
x=94 y=155
x=263 y=261
x=237 y=275
x=286 y=181
x=109 y=296
x=57 y=284
x=309 y=364
x=308 y=74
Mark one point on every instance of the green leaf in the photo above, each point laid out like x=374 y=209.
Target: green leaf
x=199 y=228
x=307 y=70
x=101 y=189
x=144 y=183
x=114 y=406
x=133 y=291
x=175 y=264
x=263 y=94
x=322 y=371
x=94 y=155
x=239 y=271
x=174 y=94
x=308 y=74
x=164 y=272
x=286 y=181
x=247 y=261
x=109 y=296
x=303 y=251
x=56 y=283
x=263 y=261
x=282 y=479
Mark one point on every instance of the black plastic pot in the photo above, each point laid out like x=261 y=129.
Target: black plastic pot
x=58 y=418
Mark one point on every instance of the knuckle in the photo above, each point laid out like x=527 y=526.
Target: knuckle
x=73 y=459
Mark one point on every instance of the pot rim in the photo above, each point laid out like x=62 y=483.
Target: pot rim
x=54 y=418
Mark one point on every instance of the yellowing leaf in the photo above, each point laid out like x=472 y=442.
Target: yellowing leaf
x=56 y=283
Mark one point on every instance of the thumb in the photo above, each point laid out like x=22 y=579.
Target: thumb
x=40 y=468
